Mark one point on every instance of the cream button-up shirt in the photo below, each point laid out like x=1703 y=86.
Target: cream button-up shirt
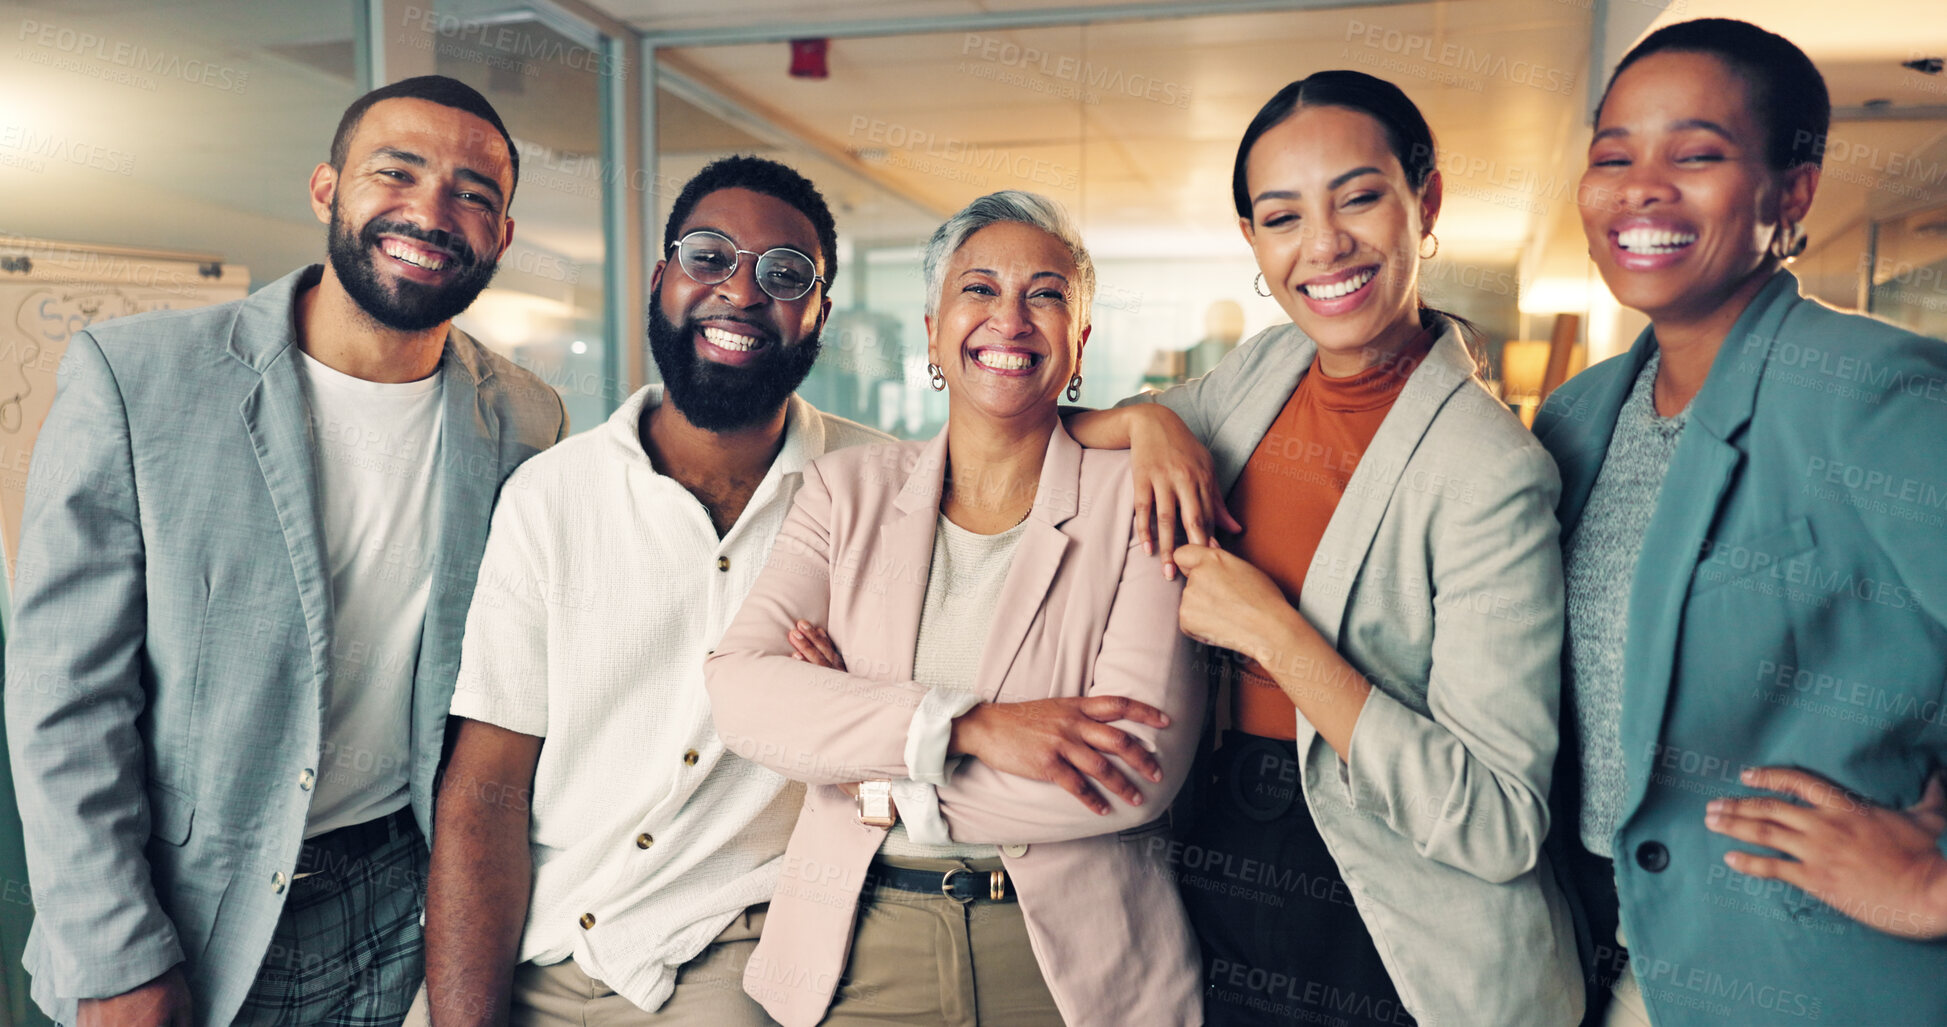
x=603 y=587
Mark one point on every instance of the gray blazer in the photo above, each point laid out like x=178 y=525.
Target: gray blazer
x=172 y=636
x=1439 y=578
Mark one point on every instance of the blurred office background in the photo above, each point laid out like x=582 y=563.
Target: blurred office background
x=186 y=129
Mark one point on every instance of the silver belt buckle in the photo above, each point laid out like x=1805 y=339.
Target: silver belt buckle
x=946 y=885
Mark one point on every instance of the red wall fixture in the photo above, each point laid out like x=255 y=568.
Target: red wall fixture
x=808 y=58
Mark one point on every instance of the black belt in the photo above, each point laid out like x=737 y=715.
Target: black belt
x=336 y=849
x=960 y=884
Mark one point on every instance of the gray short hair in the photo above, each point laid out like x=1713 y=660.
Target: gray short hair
x=1010 y=205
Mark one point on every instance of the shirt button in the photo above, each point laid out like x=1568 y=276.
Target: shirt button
x=1652 y=856
x=723 y=563
x=643 y=841
x=304 y=779
x=1014 y=850
x=587 y=921
x=689 y=758
x=277 y=883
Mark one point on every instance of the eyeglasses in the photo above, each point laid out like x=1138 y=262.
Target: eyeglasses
x=710 y=258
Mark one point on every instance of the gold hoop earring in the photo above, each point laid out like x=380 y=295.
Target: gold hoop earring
x=1074 y=388
x=1257 y=286
x=1436 y=247
x=936 y=375
x=1787 y=243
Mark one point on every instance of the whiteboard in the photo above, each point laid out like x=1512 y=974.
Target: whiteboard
x=49 y=291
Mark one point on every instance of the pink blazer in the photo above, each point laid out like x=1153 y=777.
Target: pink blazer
x=1083 y=612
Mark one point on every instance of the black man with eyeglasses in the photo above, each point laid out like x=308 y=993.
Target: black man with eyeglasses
x=599 y=855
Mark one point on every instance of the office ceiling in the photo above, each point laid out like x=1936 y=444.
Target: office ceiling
x=1134 y=123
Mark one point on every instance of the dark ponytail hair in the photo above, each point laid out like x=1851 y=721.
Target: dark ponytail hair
x=1407 y=135
x=1787 y=93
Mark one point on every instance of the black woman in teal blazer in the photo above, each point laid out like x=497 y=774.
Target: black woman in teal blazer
x=1789 y=609
x=1777 y=857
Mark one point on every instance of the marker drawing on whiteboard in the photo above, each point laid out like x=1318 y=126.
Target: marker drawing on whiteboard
x=10 y=408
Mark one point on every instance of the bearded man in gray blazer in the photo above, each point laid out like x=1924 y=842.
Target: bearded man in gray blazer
x=249 y=546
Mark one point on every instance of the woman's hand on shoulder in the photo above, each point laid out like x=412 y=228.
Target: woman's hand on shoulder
x=1175 y=483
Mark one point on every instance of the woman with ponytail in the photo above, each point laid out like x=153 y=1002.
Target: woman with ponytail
x=1386 y=628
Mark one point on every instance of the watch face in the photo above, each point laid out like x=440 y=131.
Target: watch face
x=875 y=803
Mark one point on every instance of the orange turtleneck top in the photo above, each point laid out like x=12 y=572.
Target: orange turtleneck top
x=1288 y=490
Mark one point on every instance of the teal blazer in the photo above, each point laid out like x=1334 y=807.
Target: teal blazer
x=1789 y=608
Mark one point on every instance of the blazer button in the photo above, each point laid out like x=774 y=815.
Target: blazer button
x=277 y=883
x=1014 y=850
x=643 y=841
x=723 y=563
x=587 y=921
x=305 y=779
x=689 y=758
x=1652 y=856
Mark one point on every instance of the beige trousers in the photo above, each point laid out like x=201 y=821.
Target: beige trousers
x=1626 y=1008
x=709 y=991
x=927 y=959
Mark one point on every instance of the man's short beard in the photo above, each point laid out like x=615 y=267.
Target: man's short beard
x=717 y=397
x=402 y=305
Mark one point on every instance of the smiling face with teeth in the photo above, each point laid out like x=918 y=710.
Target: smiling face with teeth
x=1336 y=227
x=417 y=214
x=730 y=353
x=1005 y=335
x=1679 y=203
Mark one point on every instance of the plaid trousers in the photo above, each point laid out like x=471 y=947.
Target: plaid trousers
x=349 y=950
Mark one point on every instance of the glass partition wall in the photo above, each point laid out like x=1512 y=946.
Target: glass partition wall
x=188 y=127
x=548 y=75
x=193 y=128
x=138 y=135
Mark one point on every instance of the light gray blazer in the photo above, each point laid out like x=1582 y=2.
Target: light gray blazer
x=172 y=636
x=1439 y=578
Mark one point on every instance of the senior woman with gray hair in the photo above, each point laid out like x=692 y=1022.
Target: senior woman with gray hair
x=962 y=648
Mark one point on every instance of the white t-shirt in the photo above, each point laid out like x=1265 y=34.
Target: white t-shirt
x=963 y=588
x=376 y=449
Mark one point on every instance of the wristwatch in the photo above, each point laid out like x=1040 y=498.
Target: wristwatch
x=875 y=803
